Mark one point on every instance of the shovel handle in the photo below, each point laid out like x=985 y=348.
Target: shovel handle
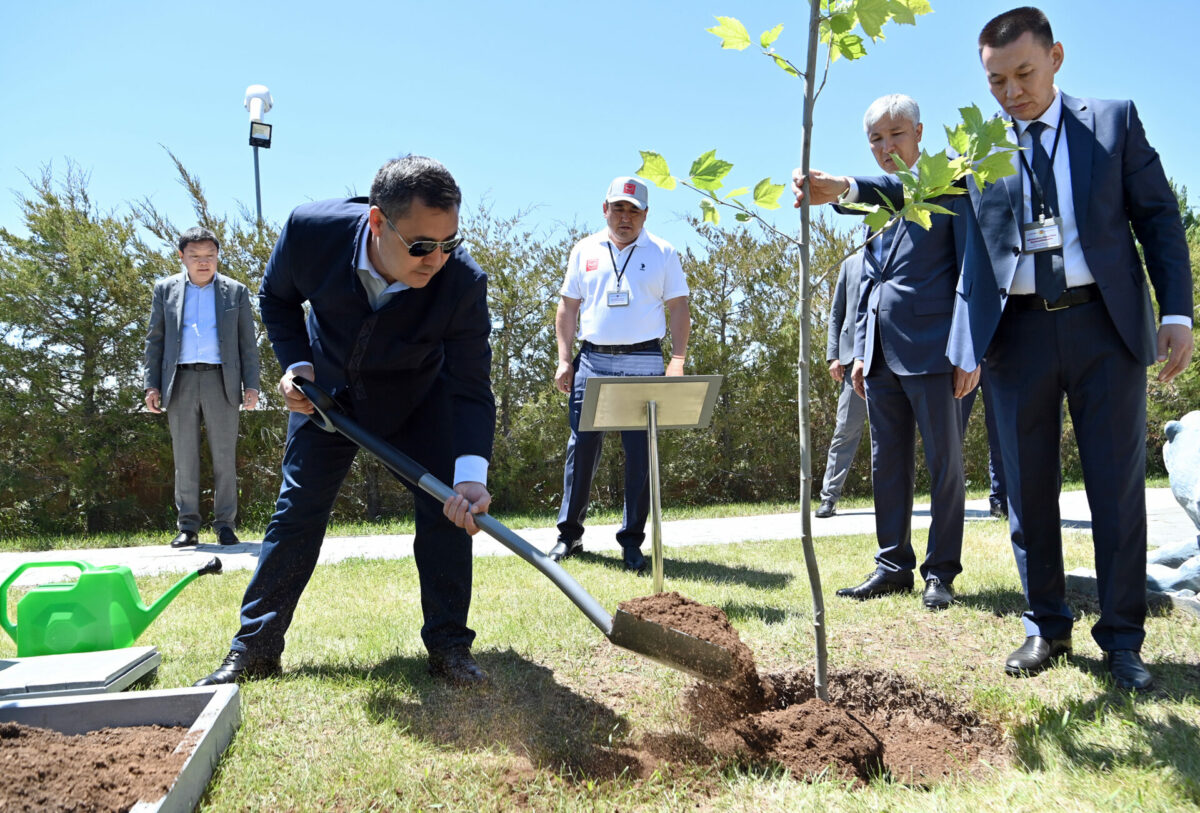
x=332 y=419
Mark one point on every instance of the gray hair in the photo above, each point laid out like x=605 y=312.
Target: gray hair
x=894 y=104
x=402 y=180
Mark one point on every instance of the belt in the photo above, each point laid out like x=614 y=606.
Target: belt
x=1071 y=296
x=200 y=367
x=623 y=349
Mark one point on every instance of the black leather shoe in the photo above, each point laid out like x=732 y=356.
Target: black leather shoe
x=457 y=667
x=938 y=595
x=635 y=561
x=998 y=508
x=1128 y=671
x=239 y=666
x=565 y=549
x=226 y=536
x=1036 y=654
x=827 y=509
x=186 y=539
x=878 y=584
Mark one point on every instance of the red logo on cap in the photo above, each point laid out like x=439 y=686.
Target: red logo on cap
x=630 y=189
x=592 y=265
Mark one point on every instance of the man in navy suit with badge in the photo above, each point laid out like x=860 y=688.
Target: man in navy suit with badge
x=1076 y=321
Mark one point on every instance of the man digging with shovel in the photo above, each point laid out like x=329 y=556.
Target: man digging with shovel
x=398 y=333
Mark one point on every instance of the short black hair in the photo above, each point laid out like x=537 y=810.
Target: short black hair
x=1007 y=28
x=401 y=180
x=197 y=234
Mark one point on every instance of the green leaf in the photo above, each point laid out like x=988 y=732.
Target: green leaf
x=654 y=169
x=849 y=46
x=933 y=208
x=743 y=217
x=917 y=7
x=901 y=13
x=877 y=219
x=767 y=194
x=731 y=33
x=996 y=166
x=872 y=14
x=783 y=63
x=741 y=190
x=958 y=139
x=707 y=171
x=711 y=215
x=915 y=214
x=841 y=23
x=769 y=37
x=935 y=170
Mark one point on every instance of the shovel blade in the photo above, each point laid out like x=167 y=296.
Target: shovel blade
x=670 y=647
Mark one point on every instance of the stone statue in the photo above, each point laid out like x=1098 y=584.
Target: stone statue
x=1175 y=568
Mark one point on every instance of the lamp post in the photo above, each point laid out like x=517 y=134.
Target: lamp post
x=258 y=102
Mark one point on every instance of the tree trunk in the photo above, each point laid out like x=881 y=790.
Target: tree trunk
x=810 y=555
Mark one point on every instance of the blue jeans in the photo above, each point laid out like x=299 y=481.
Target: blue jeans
x=583 y=451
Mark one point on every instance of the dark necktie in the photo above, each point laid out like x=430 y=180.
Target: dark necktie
x=1049 y=277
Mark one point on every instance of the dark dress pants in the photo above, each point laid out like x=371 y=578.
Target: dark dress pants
x=1035 y=359
x=583 y=451
x=897 y=405
x=315 y=463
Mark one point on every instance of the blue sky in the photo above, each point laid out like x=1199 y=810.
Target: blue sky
x=531 y=105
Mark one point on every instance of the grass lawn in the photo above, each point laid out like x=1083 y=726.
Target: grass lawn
x=356 y=724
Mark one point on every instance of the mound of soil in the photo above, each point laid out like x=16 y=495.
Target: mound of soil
x=108 y=769
x=874 y=723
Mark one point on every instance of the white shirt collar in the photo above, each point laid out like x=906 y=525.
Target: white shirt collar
x=364 y=262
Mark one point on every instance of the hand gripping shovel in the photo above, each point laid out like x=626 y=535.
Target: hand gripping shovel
x=669 y=647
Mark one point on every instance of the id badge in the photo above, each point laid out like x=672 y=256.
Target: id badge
x=618 y=299
x=1044 y=235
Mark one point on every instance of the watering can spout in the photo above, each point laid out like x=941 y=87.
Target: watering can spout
x=140 y=620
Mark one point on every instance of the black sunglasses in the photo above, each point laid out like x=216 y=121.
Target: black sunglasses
x=422 y=248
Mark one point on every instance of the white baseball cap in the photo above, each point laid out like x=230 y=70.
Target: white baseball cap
x=630 y=189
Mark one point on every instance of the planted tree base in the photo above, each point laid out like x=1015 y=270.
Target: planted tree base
x=875 y=724
x=111 y=769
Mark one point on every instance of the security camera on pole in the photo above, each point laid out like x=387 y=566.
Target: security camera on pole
x=258 y=102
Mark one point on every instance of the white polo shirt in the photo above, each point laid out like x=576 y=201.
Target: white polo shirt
x=652 y=275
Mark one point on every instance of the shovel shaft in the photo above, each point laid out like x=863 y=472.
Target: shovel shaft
x=413 y=472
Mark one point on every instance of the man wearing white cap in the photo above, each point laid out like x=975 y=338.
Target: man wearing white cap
x=617 y=283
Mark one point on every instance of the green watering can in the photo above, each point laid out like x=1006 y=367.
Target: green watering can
x=100 y=610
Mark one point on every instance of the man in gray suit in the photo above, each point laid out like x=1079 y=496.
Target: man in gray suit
x=201 y=354
x=851 y=410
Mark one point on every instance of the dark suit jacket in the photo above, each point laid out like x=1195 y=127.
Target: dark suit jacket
x=843 y=311
x=235 y=333
x=909 y=303
x=1117 y=181
x=381 y=364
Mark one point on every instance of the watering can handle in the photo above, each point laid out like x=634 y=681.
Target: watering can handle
x=8 y=626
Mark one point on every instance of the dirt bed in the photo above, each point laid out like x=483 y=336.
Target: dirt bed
x=110 y=769
x=875 y=723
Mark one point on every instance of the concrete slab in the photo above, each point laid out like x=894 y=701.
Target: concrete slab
x=112 y=670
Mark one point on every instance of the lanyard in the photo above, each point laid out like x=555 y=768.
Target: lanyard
x=613 y=257
x=1033 y=178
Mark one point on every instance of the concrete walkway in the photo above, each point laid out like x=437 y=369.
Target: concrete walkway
x=1167 y=523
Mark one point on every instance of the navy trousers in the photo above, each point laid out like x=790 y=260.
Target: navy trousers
x=1035 y=359
x=315 y=463
x=583 y=451
x=897 y=405
x=999 y=491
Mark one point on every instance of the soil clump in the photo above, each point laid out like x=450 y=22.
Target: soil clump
x=110 y=769
x=875 y=723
